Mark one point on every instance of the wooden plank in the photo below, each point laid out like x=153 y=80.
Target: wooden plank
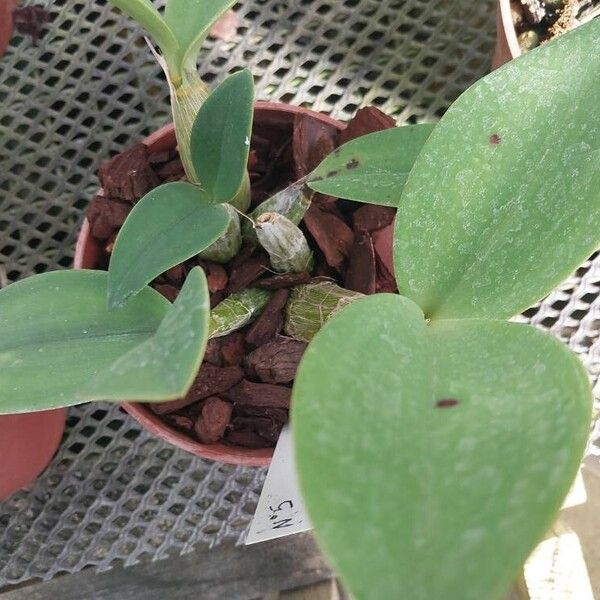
x=243 y=573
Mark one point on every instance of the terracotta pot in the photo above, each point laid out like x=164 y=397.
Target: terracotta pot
x=87 y=256
x=507 y=46
x=6 y=23
x=27 y=444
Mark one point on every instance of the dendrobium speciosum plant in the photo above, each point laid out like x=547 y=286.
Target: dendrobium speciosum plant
x=435 y=440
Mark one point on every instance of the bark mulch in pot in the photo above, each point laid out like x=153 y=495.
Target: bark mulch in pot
x=241 y=394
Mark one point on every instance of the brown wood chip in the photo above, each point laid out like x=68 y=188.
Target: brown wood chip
x=361 y=274
x=267 y=422
x=383 y=242
x=110 y=242
x=216 y=275
x=170 y=292
x=213 y=421
x=106 y=216
x=246 y=272
x=253 y=161
x=280 y=415
x=160 y=157
x=286 y=280
x=385 y=283
x=180 y=422
x=232 y=349
x=259 y=394
x=171 y=170
x=253 y=423
x=210 y=381
x=212 y=354
x=277 y=361
x=312 y=142
x=246 y=438
x=129 y=175
x=269 y=321
x=383 y=246
x=270 y=432
x=366 y=120
x=331 y=234
x=176 y=274
x=370 y=218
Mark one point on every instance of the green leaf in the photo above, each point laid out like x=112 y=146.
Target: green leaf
x=57 y=332
x=191 y=21
x=503 y=202
x=412 y=493
x=168 y=225
x=164 y=366
x=220 y=137
x=144 y=13
x=372 y=168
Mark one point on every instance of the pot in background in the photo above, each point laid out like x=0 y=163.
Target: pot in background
x=88 y=253
x=27 y=444
x=507 y=45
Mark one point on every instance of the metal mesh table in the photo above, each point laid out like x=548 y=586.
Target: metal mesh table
x=114 y=494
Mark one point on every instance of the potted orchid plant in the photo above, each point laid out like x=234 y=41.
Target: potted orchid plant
x=441 y=436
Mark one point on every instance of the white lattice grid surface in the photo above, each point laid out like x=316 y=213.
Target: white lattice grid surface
x=113 y=494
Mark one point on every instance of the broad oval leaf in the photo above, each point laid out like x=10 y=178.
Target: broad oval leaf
x=449 y=456
x=164 y=366
x=503 y=202
x=372 y=168
x=220 y=139
x=168 y=225
x=57 y=332
x=191 y=21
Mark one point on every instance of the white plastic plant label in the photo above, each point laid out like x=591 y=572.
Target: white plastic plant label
x=280 y=511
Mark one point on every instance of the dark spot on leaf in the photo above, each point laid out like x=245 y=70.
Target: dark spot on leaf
x=352 y=164
x=318 y=178
x=446 y=403
x=332 y=173
x=495 y=139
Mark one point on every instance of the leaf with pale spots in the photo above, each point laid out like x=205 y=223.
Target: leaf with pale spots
x=57 y=332
x=61 y=345
x=447 y=458
x=503 y=202
x=163 y=366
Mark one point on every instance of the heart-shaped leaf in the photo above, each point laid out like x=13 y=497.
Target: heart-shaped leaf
x=372 y=168
x=57 y=332
x=220 y=138
x=168 y=225
x=509 y=175
x=163 y=366
x=191 y=21
x=435 y=472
